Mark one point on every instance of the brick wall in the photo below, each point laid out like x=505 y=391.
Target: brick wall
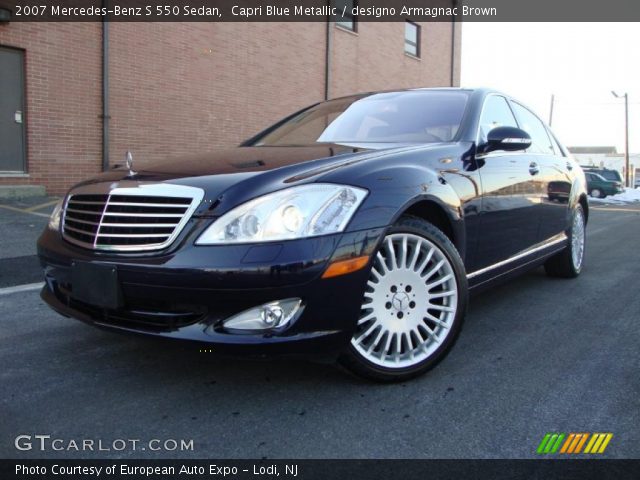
x=193 y=87
x=181 y=88
x=63 y=65
x=374 y=58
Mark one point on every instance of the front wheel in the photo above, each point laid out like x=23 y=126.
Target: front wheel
x=413 y=306
x=568 y=263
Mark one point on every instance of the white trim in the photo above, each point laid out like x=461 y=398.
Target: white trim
x=29 y=287
x=548 y=243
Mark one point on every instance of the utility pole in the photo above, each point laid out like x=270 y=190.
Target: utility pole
x=551 y=109
x=626 y=135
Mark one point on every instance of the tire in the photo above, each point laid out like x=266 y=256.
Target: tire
x=596 y=193
x=413 y=307
x=568 y=263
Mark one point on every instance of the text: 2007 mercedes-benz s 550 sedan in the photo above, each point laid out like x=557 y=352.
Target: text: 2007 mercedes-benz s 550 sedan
x=352 y=229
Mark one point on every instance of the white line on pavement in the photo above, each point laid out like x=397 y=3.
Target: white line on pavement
x=21 y=288
x=20 y=210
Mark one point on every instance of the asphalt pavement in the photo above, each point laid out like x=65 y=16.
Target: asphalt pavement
x=536 y=355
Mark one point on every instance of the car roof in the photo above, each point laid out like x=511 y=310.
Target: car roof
x=481 y=91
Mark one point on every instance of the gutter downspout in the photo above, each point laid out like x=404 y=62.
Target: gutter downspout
x=453 y=44
x=327 y=62
x=105 y=90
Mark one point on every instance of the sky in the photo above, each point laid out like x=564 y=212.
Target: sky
x=579 y=63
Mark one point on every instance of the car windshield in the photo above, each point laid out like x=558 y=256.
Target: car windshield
x=419 y=116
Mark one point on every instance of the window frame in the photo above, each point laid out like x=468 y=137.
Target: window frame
x=418 y=28
x=354 y=19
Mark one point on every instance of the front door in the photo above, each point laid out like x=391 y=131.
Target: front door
x=511 y=191
x=12 y=135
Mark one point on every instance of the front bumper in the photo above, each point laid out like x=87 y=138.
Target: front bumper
x=186 y=294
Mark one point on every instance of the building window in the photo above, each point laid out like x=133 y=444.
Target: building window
x=349 y=21
x=412 y=38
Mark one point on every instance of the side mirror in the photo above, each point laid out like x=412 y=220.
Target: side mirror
x=509 y=139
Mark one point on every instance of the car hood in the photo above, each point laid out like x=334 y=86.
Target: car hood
x=246 y=172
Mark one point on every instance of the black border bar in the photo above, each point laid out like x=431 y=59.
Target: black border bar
x=321 y=10
x=566 y=469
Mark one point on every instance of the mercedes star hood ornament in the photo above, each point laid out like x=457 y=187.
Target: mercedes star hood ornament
x=128 y=161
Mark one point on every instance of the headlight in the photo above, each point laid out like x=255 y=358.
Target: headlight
x=54 y=219
x=297 y=212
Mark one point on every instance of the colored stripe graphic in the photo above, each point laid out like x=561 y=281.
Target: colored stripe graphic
x=565 y=447
x=581 y=442
x=573 y=443
x=598 y=443
x=577 y=438
x=605 y=443
x=550 y=443
x=556 y=446
x=592 y=441
x=543 y=443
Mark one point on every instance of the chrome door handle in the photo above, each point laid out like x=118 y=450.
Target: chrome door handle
x=569 y=166
x=533 y=168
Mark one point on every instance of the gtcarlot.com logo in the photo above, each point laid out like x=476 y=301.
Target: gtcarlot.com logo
x=573 y=443
x=46 y=442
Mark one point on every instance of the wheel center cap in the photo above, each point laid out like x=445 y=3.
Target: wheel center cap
x=400 y=301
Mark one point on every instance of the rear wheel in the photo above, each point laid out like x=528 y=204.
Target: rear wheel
x=568 y=263
x=596 y=193
x=413 y=307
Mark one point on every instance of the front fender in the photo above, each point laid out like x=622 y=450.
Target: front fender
x=393 y=190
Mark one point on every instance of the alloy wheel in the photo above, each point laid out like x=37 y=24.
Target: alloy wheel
x=577 y=239
x=409 y=305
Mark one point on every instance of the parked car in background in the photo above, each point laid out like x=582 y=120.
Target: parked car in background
x=354 y=228
x=559 y=191
x=606 y=173
x=600 y=187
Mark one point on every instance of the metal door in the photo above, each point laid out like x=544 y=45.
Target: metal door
x=12 y=134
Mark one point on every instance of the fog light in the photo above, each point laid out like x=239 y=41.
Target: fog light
x=265 y=317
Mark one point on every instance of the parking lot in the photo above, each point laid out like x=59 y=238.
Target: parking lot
x=536 y=355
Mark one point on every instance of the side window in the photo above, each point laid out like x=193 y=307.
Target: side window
x=540 y=141
x=495 y=113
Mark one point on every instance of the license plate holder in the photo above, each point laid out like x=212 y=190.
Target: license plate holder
x=96 y=285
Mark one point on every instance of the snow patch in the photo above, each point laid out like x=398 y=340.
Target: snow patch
x=630 y=195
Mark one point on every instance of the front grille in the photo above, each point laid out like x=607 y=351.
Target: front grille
x=128 y=219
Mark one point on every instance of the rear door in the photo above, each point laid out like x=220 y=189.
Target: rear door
x=510 y=191
x=553 y=178
x=12 y=138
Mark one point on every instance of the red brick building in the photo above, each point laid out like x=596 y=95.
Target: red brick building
x=179 y=88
